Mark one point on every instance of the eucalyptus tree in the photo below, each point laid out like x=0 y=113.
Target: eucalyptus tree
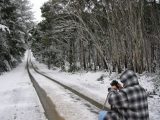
x=97 y=35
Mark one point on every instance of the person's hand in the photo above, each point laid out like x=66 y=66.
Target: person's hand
x=119 y=86
x=114 y=87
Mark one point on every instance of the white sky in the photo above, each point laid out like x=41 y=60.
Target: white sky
x=36 y=8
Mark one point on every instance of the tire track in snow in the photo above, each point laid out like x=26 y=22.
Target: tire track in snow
x=88 y=99
x=47 y=104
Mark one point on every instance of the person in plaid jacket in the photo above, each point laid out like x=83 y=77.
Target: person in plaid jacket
x=129 y=102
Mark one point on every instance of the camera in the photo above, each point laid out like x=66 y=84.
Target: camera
x=115 y=83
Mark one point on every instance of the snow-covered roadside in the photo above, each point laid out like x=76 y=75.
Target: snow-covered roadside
x=18 y=99
x=88 y=84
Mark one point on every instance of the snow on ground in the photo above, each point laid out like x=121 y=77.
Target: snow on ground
x=18 y=99
x=88 y=84
x=68 y=105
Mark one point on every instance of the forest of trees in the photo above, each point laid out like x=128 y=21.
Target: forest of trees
x=74 y=35
x=110 y=35
x=15 y=22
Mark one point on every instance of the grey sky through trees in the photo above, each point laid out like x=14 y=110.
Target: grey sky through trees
x=36 y=8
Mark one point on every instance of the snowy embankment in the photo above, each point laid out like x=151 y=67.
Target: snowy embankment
x=90 y=85
x=18 y=98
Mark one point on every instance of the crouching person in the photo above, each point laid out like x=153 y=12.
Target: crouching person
x=129 y=102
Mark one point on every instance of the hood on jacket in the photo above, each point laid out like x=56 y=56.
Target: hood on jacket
x=129 y=78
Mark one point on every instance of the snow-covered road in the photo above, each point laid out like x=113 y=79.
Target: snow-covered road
x=88 y=84
x=68 y=105
x=18 y=98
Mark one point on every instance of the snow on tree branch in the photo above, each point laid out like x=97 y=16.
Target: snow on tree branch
x=4 y=28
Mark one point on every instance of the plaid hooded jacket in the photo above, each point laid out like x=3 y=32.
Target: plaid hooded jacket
x=129 y=103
